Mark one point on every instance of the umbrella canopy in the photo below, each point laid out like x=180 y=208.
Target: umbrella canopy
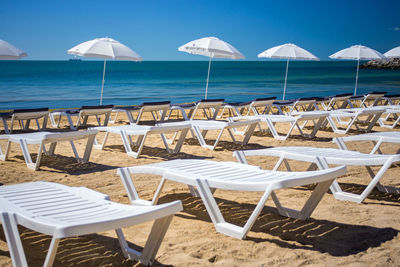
x=357 y=52
x=393 y=53
x=211 y=47
x=106 y=48
x=287 y=51
x=8 y=51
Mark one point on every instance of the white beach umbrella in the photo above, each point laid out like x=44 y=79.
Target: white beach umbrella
x=393 y=53
x=106 y=48
x=8 y=51
x=211 y=47
x=357 y=52
x=287 y=51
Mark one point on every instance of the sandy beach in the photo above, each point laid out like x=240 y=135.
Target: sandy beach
x=338 y=232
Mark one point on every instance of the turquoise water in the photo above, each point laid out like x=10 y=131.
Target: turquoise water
x=56 y=84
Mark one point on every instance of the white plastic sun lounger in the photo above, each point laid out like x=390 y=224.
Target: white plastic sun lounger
x=200 y=128
x=141 y=132
x=210 y=108
x=339 y=101
x=43 y=138
x=26 y=115
x=377 y=139
x=208 y=175
x=294 y=120
x=364 y=101
x=158 y=111
x=322 y=157
x=258 y=106
x=82 y=113
x=352 y=117
x=298 y=105
x=62 y=211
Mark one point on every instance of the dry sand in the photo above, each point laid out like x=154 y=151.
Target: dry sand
x=338 y=232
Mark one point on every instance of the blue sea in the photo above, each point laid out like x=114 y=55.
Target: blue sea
x=67 y=84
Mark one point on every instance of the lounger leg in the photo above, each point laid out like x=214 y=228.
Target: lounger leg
x=373 y=122
x=103 y=143
x=75 y=151
x=249 y=133
x=273 y=130
x=52 y=148
x=308 y=207
x=7 y=151
x=12 y=124
x=279 y=163
x=379 y=186
x=71 y=123
x=28 y=160
x=130 y=117
x=376 y=146
x=219 y=137
x=13 y=239
x=154 y=240
x=7 y=131
x=316 y=128
x=133 y=195
x=88 y=149
x=51 y=254
x=146 y=257
x=106 y=118
x=128 y=149
x=200 y=137
x=115 y=118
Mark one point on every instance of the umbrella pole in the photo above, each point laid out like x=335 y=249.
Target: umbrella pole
x=358 y=66
x=208 y=76
x=284 y=88
x=102 y=83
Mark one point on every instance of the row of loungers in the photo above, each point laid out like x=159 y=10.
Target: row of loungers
x=236 y=126
x=210 y=108
x=79 y=211
x=362 y=118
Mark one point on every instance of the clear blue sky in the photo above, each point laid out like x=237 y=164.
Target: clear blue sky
x=155 y=29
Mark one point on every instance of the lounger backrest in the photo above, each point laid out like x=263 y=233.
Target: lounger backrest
x=340 y=97
x=210 y=103
x=155 y=106
x=262 y=102
x=95 y=110
x=26 y=114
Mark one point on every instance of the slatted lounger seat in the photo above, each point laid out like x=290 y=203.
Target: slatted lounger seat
x=322 y=157
x=294 y=120
x=61 y=212
x=24 y=116
x=141 y=132
x=205 y=175
x=158 y=111
x=82 y=113
x=200 y=128
x=43 y=138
